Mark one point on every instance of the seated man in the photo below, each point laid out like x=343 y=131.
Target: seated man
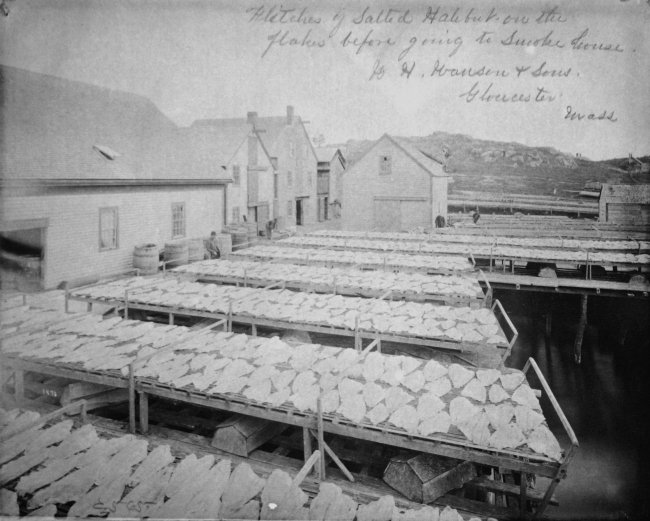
x=212 y=245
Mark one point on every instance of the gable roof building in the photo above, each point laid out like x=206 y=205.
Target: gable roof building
x=88 y=173
x=394 y=186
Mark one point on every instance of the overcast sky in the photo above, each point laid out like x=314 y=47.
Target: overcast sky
x=198 y=59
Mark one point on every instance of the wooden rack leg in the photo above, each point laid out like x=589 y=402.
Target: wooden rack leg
x=321 y=441
x=89 y=307
x=131 y=400
x=19 y=385
x=306 y=443
x=254 y=329
x=171 y=319
x=335 y=458
x=144 y=412
x=549 y=315
x=522 y=495
x=577 y=347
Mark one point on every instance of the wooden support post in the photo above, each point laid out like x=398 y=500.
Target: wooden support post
x=254 y=329
x=336 y=460
x=549 y=315
x=131 y=399
x=171 y=319
x=577 y=346
x=89 y=307
x=306 y=468
x=126 y=304
x=306 y=443
x=321 y=439
x=144 y=412
x=19 y=385
x=67 y=298
x=523 y=479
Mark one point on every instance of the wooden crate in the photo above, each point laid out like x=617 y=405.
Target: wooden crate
x=242 y=434
x=426 y=477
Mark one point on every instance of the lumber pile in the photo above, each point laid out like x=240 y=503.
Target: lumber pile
x=483 y=250
x=490 y=409
x=59 y=469
x=424 y=320
x=366 y=258
x=382 y=281
x=547 y=242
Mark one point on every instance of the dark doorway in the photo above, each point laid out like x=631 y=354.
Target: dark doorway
x=299 y=212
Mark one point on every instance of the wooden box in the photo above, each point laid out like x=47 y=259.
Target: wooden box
x=426 y=477
x=241 y=434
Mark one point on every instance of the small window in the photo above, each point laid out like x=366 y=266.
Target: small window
x=236 y=175
x=289 y=179
x=289 y=208
x=384 y=165
x=235 y=214
x=275 y=186
x=178 y=220
x=107 y=228
x=292 y=149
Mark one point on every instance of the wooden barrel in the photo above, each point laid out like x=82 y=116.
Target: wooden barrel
x=145 y=258
x=195 y=250
x=176 y=253
x=225 y=243
x=238 y=236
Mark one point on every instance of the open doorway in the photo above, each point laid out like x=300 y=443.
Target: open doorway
x=299 y=212
x=22 y=256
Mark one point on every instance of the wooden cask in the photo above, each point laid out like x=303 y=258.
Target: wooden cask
x=176 y=253
x=145 y=258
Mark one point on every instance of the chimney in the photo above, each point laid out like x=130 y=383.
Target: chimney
x=289 y=114
x=251 y=118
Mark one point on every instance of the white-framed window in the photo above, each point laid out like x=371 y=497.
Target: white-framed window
x=292 y=149
x=108 y=228
x=235 y=214
x=289 y=208
x=385 y=165
x=178 y=220
x=236 y=175
x=289 y=179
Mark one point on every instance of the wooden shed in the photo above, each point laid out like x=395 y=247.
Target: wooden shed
x=394 y=186
x=625 y=204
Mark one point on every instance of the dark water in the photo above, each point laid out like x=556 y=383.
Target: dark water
x=605 y=398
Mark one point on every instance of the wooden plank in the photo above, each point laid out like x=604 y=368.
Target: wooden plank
x=483 y=483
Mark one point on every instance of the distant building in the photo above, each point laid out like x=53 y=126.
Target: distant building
x=235 y=151
x=331 y=166
x=288 y=147
x=624 y=204
x=394 y=186
x=88 y=173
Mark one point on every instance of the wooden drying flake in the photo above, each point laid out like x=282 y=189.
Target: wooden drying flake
x=541 y=440
x=378 y=414
x=527 y=418
x=405 y=418
x=507 y=437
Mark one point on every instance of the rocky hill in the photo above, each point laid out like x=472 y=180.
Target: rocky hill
x=495 y=166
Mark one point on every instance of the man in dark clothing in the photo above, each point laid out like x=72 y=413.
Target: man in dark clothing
x=212 y=245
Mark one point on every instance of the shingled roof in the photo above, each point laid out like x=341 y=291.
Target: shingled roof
x=58 y=130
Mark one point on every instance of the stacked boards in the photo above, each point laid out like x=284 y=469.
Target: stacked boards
x=59 y=468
